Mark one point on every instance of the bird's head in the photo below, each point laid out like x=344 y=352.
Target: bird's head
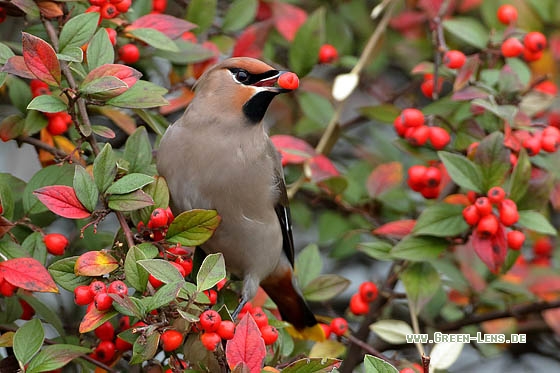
x=243 y=85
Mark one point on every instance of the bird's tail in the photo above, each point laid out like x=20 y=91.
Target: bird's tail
x=293 y=308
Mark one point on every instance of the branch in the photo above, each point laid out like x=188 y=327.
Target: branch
x=369 y=349
x=515 y=311
x=42 y=145
x=126 y=229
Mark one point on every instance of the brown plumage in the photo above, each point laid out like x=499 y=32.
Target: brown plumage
x=219 y=156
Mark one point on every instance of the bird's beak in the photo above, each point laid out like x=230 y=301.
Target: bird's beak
x=271 y=83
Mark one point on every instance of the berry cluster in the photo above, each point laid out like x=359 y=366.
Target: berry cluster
x=481 y=214
x=156 y=229
x=59 y=122
x=411 y=126
x=97 y=294
x=533 y=43
x=109 y=9
x=546 y=140
x=268 y=332
x=327 y=54
x=109 y=343
x=214 y=329
x=359 y=302
x=425 y=180
x=56 y=243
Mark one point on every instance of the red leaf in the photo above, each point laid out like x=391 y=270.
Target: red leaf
x=28 y=274
x=251 y=42
x=546 y=287
x=125 y=73
x=322 y=168
x=16 y=66
x=287 y=19
x=62 y=200
x=247 y=346
x=467 y=5
x=409 y=23
x=95 y=263
x=41 y=59
x=292 y=149
x=383 y=178
x=396 y=229
x=465 y=73
x=171 y=26
x=492 y=251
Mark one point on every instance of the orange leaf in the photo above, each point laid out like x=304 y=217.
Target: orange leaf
x=45 y=157
x=28 y=274
x=247 y=346
x=177 y=103
x=50 y=9
x=94 y=318
x=383 y=178
x=95 y=263
x=63 y=201
x=396 y=229
x=457 y=199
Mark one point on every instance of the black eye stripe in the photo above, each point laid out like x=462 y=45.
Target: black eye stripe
x=254 y=78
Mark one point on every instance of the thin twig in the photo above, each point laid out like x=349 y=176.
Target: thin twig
x=43 y=146
x=367 y=348
x=126 y=229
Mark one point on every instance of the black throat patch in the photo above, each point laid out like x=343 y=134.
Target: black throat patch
x=256 y=107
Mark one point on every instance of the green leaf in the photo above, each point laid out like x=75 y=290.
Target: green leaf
x=130 y=202
x=12 y=250
x=421 y=282
x=385 y=113
x=19 y=92
x=145 y=348
x=316 y=107
x=467 y=29
x=136 y=276
x=164 y=295
x=506 y=112
x=312 y=365
x=11 y=311
x=35 y=246
x=239 y=15
x=419 y=248
x=162 y=270
x=441 y=220
x=104 y=168
x=43 y=310
x=138 y=151
x=103 y=87
x=521 y=70
x=374 y=364
x=55 y=356
x=129 y=183
x=71 y=54
x=535 y=221
x=212 y=271
x=129 y=306
x=62 y=272
x=154 y=38
x=159 y=192
x=304 y=51
x=35 y=121
x=202 y=13
x=308 y=264
x=47 y=104
x=78 y=30
x=379 y=250
x=520 y=177
x=194 y=227
x=143 y=94
x=100 y=50
x=392 y=331
x=51 y=175
x=463 y=172
x=85 y=188
x=188 y=53
x=325 y=287
x=492 y=158
x=5 y=53
x=28 y=340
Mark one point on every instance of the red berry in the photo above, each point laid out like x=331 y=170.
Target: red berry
x=515 y=239
x=3 y=14
x=416 y=177
x=105 y=331
x=122 y=345
x=98 y=3
x=170 y=216
x=179 y=268
x=400 y=128
x=531 y=56
x=118 y=287
x=189 y=36
x=220 y=285
x=339 y=326
x=109 y=11
x=508 y=212
x=27 y=311
x=487 y=226
x=226 y=330
x=158 y=218
x=124 y=323
x=430 y=192
x=39 y=88
x=186 y=264
x=57 y=125
x=535 y=41
x=543 y=247
x=483 y=206
x=154 y=281
x=212 y=295
x=158 y=6
x=123 y=5
x=512 y=47
x=82 y=295
x=288 y=81
x=210 y=340
x=269 y=334
x=103 y=301
x=129 y=53
x=472 y=196
x=97 y=287
x=368 y=291
x=358 y=306
x=532 y=145
x=105 y=351
x=547 y=87
x=471 y=215
x=7 y=289
x=326 y=330
x=412 y=117
x=407 y=370
x=550 y=143
x=327 y=53
x=418 y=136
x=427 y=88
x=454 y=59
x=507 y=14
x=496 y=194
x=56 y=243
x=432 y=177
x=259 y=316
x=210 y=320
x=439 y=137
x=171 y=340
x=112 y=34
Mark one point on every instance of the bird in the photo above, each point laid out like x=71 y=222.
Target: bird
x=218 y=156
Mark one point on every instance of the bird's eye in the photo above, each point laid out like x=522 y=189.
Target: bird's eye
x=241 y=76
